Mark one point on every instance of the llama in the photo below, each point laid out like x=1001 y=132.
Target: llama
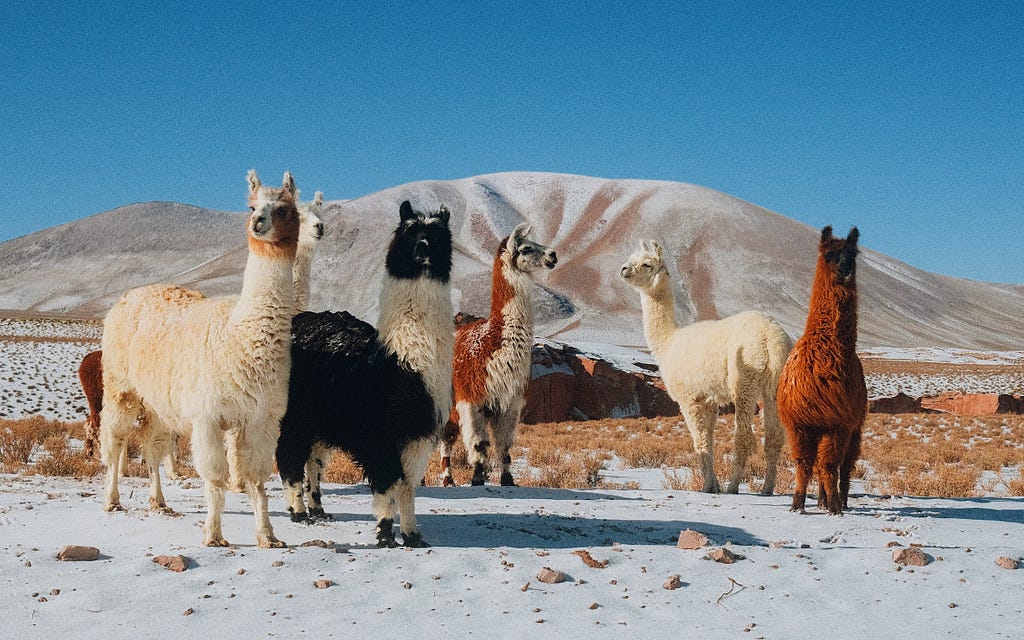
x=492 y=360
x=380 y=395
x=90 y=374
x=311 y=230
x=181 y=360
x=712 y=363
x=822 y=396
x=90 y=371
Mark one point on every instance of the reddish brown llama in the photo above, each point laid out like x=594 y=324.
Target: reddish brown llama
x=491 y=367
x=90 y=374
x=822 y=397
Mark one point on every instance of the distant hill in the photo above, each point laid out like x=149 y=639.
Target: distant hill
x=727 y=255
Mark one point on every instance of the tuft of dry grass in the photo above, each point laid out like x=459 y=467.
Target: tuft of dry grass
x=19 y=439
x=61 y=460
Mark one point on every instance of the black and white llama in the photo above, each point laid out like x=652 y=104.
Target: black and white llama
x=381 y=396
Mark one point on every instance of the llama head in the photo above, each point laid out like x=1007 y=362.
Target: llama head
x=526 y=255
x=838 y=256
x=645 y=266
x=274 y=221
x=311 y=227
x=421 y=245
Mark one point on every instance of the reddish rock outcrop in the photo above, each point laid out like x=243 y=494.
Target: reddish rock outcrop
x=974 y=404
x=568 y=385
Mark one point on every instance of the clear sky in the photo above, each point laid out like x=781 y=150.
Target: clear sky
x=904 y=119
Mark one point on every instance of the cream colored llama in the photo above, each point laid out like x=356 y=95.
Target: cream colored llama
x=712 y=363
x=311 y=230
x=211 y=365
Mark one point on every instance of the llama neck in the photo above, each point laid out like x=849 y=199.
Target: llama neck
x=300 y=275
x=267 y=297
x=511 y=310
x=832 y=318
x=659 y=314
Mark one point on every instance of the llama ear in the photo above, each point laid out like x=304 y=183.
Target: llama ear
x=442 y=214
x=318 y=199
x=656 y=249
x=522 y=230
x=288 y=184
x=405 y=211
x=854 y=235
x=826 y=234
x=254 y=182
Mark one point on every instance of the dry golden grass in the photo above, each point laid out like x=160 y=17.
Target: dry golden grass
x=911 y=454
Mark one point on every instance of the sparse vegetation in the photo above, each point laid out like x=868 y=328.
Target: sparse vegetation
x=910 y=454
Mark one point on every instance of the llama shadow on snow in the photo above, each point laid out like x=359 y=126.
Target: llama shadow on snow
x=488 y=491
x=967 y=512
x=514 y=522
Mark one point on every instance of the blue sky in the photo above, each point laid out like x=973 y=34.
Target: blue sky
x=905 y=119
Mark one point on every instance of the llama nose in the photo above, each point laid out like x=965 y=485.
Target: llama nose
x=258 y=223
x=552 y=259
x=319 y=230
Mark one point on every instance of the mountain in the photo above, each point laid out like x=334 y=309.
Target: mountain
x=727 y=255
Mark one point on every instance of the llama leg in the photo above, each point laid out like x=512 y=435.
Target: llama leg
x=774 y=439
x=383 y=506
x=315 y=465
x=849 y=462
x=293 y=453
x=504 y=435
x=92 y=433
x=743 y=441
x=265 y=538
x=415 y=457
x=701 y=422
x=256 y=443
x=154 y=446
x=210 y=460
x=115 y=425
x=804 y=450
x=170 y=459
x=448 y=438
x=474 y=436
x=831 y=450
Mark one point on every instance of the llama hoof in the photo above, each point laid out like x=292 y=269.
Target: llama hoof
x=733 y=489
x=216 y=542
x=414 y=540
x=318 y=514
x=448 y=481
x=477 y=482
x=507 y=481
x=270 y=543
x=386 y=543
x=300 y=516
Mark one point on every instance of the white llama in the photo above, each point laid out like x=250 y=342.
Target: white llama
x=212 y=365
x=712 y=363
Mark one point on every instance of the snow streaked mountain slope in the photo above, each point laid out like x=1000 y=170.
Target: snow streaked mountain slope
x=727 y=255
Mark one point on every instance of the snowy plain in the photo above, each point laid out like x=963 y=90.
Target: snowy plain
x=801 y=576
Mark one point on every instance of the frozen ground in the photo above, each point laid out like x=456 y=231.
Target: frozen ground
x=39 y=368
x=802 y=576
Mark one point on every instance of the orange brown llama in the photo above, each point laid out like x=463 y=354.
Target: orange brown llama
x=822 y=396
x=90 y=374
x=491 y=368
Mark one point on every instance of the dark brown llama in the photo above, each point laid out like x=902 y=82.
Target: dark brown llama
x=822 y=397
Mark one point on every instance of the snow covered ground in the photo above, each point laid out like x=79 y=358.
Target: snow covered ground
x=801 y=576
